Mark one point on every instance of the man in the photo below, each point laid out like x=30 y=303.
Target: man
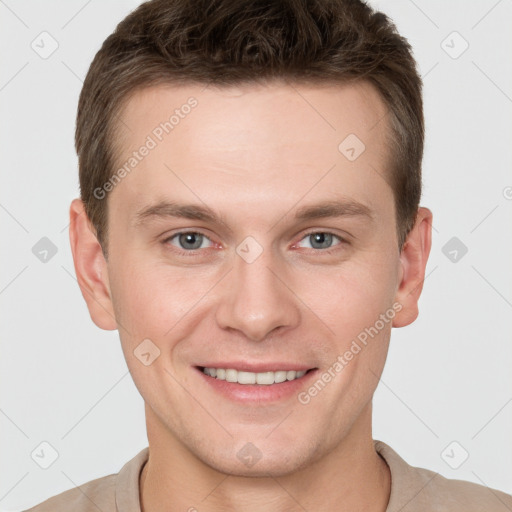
x=283 y=141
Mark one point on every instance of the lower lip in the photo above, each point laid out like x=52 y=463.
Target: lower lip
x=247 y=393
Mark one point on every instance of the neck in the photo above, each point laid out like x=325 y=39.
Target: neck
x=352 y=477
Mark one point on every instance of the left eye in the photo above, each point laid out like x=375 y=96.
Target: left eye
x=189 y=240
x=321 y=240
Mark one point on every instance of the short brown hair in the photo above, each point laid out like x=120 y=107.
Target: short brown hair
x=226 y=42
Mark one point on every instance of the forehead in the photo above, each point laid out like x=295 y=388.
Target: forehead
x=241 y=144
x=329 y=109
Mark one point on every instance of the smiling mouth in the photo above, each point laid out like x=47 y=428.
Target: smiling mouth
x=262 y=378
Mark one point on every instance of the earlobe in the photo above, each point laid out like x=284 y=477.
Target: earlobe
x=90 y=267
x=413 y=261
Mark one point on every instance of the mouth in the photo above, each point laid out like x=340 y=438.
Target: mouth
x=243 y=377
x=268 y=384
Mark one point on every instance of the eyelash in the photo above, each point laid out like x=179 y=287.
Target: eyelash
x=193 y=252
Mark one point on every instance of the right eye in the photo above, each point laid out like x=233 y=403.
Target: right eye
x=187 y=241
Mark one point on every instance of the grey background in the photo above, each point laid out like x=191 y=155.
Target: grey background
x=447 y=378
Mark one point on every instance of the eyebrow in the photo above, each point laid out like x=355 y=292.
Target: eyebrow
x=322 y=210
x=346 y=208
x=164 y=209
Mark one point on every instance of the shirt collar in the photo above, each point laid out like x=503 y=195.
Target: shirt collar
x=402 y=480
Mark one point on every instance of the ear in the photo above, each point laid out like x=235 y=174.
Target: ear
x=90 y=267
x=413 y=261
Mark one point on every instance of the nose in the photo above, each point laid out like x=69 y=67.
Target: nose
x=256 y=299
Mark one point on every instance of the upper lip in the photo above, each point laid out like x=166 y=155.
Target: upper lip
x=244 y=366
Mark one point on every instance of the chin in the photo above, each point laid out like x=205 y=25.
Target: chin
x=263 y=468
x=260 y=459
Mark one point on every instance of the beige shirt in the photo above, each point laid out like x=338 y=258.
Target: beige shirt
x=412 y=490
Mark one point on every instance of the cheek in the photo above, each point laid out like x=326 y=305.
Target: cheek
x=357 y=305
x=150 y=299
x=150 y=303
x=352 y=297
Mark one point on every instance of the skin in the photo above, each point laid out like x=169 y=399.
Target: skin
x=255 y=154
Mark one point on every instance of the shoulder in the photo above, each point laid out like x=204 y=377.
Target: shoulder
x=452 y=495
x=418 y=489
x=118 y=492
x=98 y=494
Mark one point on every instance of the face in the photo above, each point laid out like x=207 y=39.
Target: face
x=255 y=233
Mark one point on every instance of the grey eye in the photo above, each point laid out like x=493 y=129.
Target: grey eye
x=189 y=240
x=323 y=240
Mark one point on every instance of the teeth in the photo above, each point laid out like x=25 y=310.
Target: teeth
x=263 y=378
x=280 y=376
x=231 y=375
x=246 y=377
